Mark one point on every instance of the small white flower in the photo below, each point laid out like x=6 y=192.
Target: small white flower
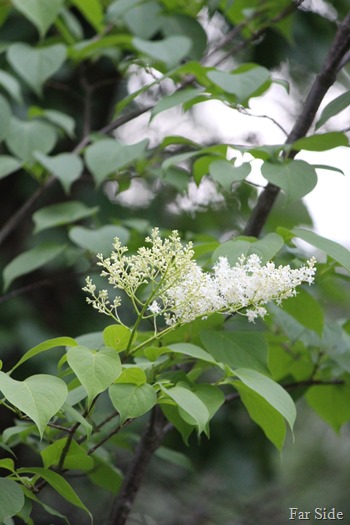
x=154 y=308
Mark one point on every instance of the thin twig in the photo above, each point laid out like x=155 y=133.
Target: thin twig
x=113 y=432
x=244 y=111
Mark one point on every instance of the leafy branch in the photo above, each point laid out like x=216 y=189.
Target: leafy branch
x=323 y=81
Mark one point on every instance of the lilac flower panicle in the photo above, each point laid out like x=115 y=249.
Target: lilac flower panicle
x=181 y=291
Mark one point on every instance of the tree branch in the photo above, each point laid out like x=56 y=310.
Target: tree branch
x=324 y=80
x=148 y=444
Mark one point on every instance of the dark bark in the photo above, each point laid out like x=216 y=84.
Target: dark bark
x=148 y=444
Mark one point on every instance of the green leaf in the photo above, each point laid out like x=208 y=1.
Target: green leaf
x=191 y=407
x=75 y=459
x=99 y=240
x=329 y=168
x=8 y=464
x=42 y=347
x=331 y=403
x=192 y=351
x=106 y=475
x=333 y=108
x=322 y=142
x=133 y=375
x=53 y=512
x=245 y=82
x=5 y=112
x=116 y=337
x=40 y=12
x=237 y=349
x=180 y=157
x=73 y=415
x=266 y=152
x=35 y=66
x=67 y=167
x=11 y=85
x=182 y=25
x=61 y=214
x=58 y=483
x=179 y=97
x=212 y=397
x=174 y=457
x=143 y=20
x=171 y=412
x=40 y=397
x=96 y=370
x=107 y=156
x=264 y=415
x=92 y=11
x=266 y=248
x=31 y=260
x=176 y=177
x=306 y=310
x=200 y=167
x=331 y=248
x=295 y=177
x=8 y=165
x=271 y=391
x=223 y=172
x=57 y=118
x=94 y=48
x=171 y=50
x=24 y=138
x=118 y=8
x=132 y=401
x=11 y=498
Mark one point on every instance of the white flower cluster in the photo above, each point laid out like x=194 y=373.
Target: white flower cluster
x=181 y=291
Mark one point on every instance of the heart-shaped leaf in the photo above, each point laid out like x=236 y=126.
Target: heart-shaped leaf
x=295 y=177
x=116 y=336
x=99 y=240
x=96 y=370
x=24 y=138
x=108 y=156
x=131 y=400
x=40 y=397
x=223 y=172
x=35 y=66
x=67 y=167
x=171 y=50
x=41 y=13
